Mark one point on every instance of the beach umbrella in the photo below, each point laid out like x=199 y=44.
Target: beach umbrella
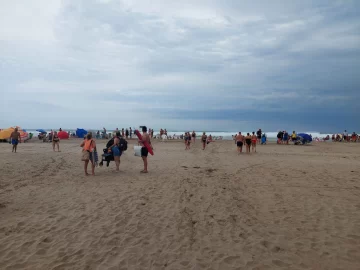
x=305 y=138
x=41 y=130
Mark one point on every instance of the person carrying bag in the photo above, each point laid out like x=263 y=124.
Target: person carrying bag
x=88 y=153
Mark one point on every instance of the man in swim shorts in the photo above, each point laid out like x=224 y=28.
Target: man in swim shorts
x=15 y=139
x=144 y=150
x=239 y=142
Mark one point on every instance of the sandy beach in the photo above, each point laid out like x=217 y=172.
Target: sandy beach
x=285 y=207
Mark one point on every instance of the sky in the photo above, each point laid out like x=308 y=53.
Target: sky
x=181 y=65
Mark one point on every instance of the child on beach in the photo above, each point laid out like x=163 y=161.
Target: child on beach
x=253 y=142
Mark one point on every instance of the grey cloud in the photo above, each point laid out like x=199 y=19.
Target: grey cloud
x=266 y=56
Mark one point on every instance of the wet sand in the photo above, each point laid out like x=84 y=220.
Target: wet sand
x=285 y=207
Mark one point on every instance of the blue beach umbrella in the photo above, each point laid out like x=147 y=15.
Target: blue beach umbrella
x=41 y=130
x=305 y=138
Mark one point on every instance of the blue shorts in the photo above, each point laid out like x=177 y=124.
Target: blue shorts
x=116 y=151
x=14 y=142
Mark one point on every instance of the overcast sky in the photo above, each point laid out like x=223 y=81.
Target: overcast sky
x=203 y=65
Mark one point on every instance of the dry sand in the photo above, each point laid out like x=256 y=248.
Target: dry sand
x=285 y=207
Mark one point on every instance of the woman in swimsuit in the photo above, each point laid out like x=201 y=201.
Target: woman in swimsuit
x=193 y=135
x=55 y=141
x=248 y=142
x=203 y=139
x=253 y=142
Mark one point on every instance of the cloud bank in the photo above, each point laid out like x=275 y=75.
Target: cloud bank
x=180 y=65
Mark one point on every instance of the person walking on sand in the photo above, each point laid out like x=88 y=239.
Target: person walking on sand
x=259 y=133
x=55 y=141
x=144 y=150
x=239 y=142
x=186 y=139
x=89 y=146
x=248 y=143
x=253 y=142
x=15 y=139
x=203 y=139
x=193 y=136
x=115 y=148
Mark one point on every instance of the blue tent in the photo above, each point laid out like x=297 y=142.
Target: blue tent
x=41 y=130
x=80 y=133
x=304 y=138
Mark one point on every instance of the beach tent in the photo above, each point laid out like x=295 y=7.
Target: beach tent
x=63 y=135
x=41 y=130
x=5 y=133
x=80 y=133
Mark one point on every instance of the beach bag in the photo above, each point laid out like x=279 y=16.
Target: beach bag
x=85 y=155
x=123 y=144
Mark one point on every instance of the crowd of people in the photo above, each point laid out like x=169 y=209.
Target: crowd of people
x=115 y=148
x=89 y=150
x=345 y=137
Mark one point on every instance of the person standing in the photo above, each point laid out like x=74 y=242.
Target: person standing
x=193 y=135
x=187 y=141
x=55 y=141
x=115 y=148
x=89 y=146
x=144 y=150
x=239 y=142
x=253 y=142
x=127 y=133
x=248 y=143
x=130 y=132
x=259 y=133
x=203 y=140
x=286 y=137
x=15 y=139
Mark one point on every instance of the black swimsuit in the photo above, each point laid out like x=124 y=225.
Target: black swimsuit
x=248 y=141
